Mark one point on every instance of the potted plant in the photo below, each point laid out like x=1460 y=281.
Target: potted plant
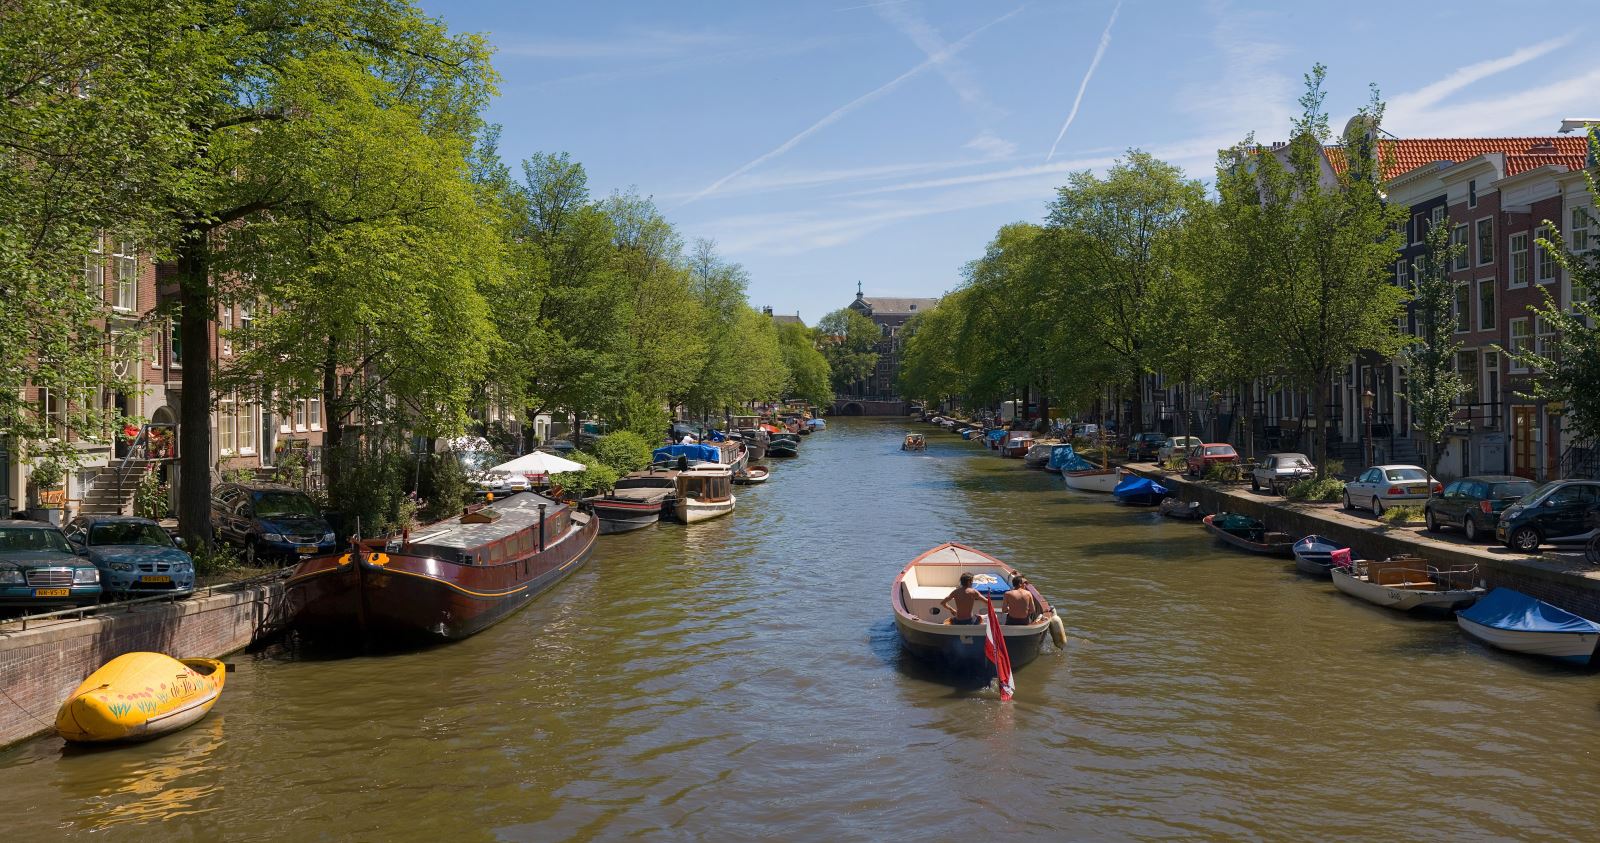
x=48 y=497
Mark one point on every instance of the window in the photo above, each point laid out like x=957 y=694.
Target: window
x=300 y=414
x=1472 y=193
x=1436 y=216
x=1485 y=241
x=1400 y=274
x=245 y=428
x=54 y=409
x=246 y=316
x=175 y=343
x=1491 y=377
x=1458 y=238
x=1521 y=337
x=1519 y=259
x=1580 y=237
x=225 y=328
x=226 y=410
x=1544 y=259
x=94 y=269
x=1419 y=268
x=1463 y=307
x=236 y=425
x=1467 y=368
x=314 y=412
x=1486 y=314
x=125 y=262
x=1544 y=338
x=1419 y=224
x=155 y=351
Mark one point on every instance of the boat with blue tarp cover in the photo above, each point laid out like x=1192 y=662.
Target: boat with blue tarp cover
x=693 y=453
x=993 y=438
x=1140 y=491
x=1508 y=619
x=1064 y=458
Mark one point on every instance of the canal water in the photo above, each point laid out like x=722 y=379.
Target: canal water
x=741 y=679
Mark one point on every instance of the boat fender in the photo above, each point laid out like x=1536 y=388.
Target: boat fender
x=1058 y=632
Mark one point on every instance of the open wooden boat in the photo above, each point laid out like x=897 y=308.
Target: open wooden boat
x=1016 y=444
x=755 y=441
x=1406 y=583
x=1180 y=509
x=1038 y=455
x=1511 y=620
x=446 y=580
x=138 y=696
x=638 y=500
x=924 y=632
x=752 y=476
x=705 y=491
x=1103 y=480
x=1313 y=555
x=783 y=445
x=914 y=442
x=1249 y=535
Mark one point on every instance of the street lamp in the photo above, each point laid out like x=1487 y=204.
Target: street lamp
x=1366 y=405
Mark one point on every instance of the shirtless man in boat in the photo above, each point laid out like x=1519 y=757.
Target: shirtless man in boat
x=965 y=597
x=1021 y=607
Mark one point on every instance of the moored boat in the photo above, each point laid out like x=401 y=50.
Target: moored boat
x=755 y=441
x=1134 y=490
x=1249 y=534
x=445 y=580
x=1038 y=455
x=914 y=442
x=1406 y=583
x=704 y=492
x=1063 y=457
x=752 y=476
x=1313 y=555
x=1181 y=510
x=138 y=696
x=1016 y=444
x=784 y=445
x=638 y=500
x=925 y=632
x=1102 y=480
x=1514 y=621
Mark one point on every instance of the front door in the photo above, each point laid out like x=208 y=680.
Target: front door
x=1524 y=441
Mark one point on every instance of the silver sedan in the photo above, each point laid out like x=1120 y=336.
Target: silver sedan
x=1383 y=486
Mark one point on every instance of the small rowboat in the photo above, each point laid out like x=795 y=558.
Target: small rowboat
x=1181 y=510
x=959 y=648
x=1511 y=620
x=139 y=696
x=1314 y=555
x=1140 y=491
x=1093 y=480
x=752 y=475
x=1249 y=535
x=1407 y=582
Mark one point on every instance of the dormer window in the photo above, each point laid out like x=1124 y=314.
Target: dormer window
x=1472 y=193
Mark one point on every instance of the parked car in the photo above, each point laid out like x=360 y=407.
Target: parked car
x=1145 y=445
x=135 y=556
x=1277 y=472
x=39 y=570
x=1383 y=486
x=1559 y=512
x=269 y=521
x=1176 y=447
x=1203 y=457
x=1475 y=503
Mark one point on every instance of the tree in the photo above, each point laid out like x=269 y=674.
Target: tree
x=849 y=342
x=1432 y=384
x=1569 y=371
x=808 y=369
x=1328 y=248
x=719 y=289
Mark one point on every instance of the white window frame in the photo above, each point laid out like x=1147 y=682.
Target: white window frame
x=314 y=412
x=1487 y=316
x=1581 y=234
x=174 y=359
x=1464 y=259
x=245 y=424
x=1400 y=273
x=300 y=414
x=224 y=326
x=1478 y=240
x=125 y=275
x=1419 y=265
x=1543 y=337
x=1419 y=222
x=226 y=408
x=1543 y=259
x=1461 y=322
x=1514 y=346
x=94 y=269
x=1491 y=375
x=1512 y=254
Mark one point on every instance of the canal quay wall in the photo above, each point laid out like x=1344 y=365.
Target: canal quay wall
x=1552 y=577
x=42 y=664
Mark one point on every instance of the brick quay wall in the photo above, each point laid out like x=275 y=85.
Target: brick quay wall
x=1555 y=577
x=42 y=664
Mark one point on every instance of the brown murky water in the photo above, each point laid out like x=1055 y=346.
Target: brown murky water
x=741 y=679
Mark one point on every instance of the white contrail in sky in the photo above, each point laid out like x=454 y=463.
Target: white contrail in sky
x=1105 y=41
x=839 y=113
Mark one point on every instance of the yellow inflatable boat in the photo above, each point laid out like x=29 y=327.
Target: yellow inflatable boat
x=138 y=696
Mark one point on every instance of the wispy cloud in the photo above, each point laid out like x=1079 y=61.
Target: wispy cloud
x=1430 y=95
x=769 y=182
x=955 y=72
x=1425 y=111
x=1099 y=52
x=638 y=45
x=1034 y=172
x=635 y=70
x=990 y=145
x=842 y=111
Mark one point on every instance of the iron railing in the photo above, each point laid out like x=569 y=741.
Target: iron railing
x=127 y=605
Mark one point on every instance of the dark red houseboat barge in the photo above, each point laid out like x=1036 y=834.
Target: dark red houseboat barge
x=449 y=579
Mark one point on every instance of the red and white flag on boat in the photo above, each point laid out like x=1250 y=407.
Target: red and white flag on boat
x=1341 y=558
x=994 y=646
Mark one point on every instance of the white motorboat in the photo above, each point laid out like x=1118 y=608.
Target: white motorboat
x=1407 y=583
x=705 y=491
x=1096 y=480
x=925 y=631
x=1511 y=620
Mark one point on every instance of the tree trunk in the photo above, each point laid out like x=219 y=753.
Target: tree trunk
x=194 y=413
x=1319 y=438
x=333 y=428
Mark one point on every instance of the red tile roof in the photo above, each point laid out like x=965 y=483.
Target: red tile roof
x=1407 y=154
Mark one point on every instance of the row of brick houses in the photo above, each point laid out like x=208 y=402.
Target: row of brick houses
x=1499 y=196
x=245 y=434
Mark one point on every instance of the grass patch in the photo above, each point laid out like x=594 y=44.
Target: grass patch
x=1175 y=464
x=1402 y=515
x=1225 y=472
x=1317 y=490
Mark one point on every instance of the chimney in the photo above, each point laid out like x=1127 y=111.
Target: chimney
x=767 y=311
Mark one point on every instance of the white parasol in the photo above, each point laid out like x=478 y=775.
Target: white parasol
x=538 y=462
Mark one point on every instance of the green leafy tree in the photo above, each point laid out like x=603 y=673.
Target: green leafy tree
x=1432 y=383
x=849 y=343
x=623 y=451
x=808 y=369
x=719 y=288
x=1569 y=372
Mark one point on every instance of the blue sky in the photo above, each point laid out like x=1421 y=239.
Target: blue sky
x=820 y=143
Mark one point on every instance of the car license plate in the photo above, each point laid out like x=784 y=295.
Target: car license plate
x=1415 y=490
x=152 y=578
x=306 y=548
x=52 y=592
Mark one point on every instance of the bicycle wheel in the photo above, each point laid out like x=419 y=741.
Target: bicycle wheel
x=1592 y=552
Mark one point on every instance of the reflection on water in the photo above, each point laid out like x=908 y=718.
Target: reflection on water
x=742 y=678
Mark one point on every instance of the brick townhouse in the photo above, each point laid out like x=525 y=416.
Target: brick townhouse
x=245 y=434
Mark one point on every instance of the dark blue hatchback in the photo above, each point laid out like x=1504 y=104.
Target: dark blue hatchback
x=270 y=521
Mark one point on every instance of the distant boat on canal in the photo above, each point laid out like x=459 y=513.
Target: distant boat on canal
x=1407 y=583
x=1249 y=534
x=446 y=580
x=914 y=442
x=1511 y=620
x=784 y=445
x=1102 y=480
x=959 y=648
